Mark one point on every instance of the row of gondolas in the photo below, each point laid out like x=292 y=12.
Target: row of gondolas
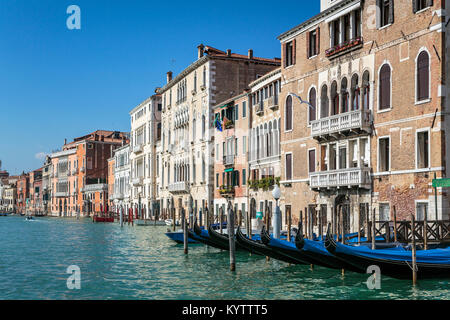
x=350 y=252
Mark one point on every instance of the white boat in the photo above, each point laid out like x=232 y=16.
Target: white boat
x=169 y=222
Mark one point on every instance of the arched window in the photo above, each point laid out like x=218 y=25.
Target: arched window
x=366 y=90
x=288 y=122
x=203 y=126
x=194 y=125
x=324 y=103
x=355 y=94
x=313 y=102
x=423 y=76
x=334 y=99
x=345 y=95
x=385 y=87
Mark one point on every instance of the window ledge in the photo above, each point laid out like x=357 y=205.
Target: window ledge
x=312 y=57
x=423 y=10
x=289 y=67
x=422 y=102
x=384 y=110
x=384 y=27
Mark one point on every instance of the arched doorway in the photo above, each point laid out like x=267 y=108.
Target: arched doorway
x=342 y=211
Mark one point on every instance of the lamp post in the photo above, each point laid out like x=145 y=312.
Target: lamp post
x=276 y=193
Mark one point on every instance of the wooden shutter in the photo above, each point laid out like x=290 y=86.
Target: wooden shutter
x=293 y=51
x=289 y=166
x=385 y=86
x=283 y=54
x=312 y=161
x=423 y=76
x=414 y=5
x=308 y=44
x=391 y=11
x=317 y=40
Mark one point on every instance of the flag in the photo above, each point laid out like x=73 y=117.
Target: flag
x=218 y=124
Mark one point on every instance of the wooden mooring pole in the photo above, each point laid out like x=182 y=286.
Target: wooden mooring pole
x=413 y=251
x=221 y=219
x=230 y=228
x=425 y=229
x=373 y=229
x=395 y=224
x=185 y=230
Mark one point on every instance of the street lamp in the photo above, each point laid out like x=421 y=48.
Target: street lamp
x=276 y=193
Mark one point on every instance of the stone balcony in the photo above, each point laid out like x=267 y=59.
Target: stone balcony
x=61 y=194
x=343 y=178
x=227 y=191
x=272 y=102
x=259 y=109
x=137 y=182
x=138 y=148
x=228 y=160
x=179 y=187
x=341 y=124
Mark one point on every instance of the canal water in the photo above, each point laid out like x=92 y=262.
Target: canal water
x=142 y=263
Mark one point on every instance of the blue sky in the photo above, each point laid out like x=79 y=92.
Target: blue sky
x=57 y=83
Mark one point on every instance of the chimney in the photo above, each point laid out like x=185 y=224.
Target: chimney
x=169 y=76
x=250 y=53
x=65 y=141
x=229 y=52
x=201 y=50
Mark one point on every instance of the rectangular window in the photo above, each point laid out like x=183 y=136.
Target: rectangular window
x=313 y=50
x=386 y=12
x=419 y=5
x=288 y=166
x=384 y=214
x=244 y=177
x=236 y=112
x=289 y=54
x=312 y=161
x=244 y=109
x=217 y=180
x=423 y=150
x=384 y=154
x=421 y=211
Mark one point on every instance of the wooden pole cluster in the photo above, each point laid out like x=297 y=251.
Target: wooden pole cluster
x=373 y=237
x=413 y=251
x=289 y=226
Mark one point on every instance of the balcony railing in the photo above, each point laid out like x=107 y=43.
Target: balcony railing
x=344 y=47
x=353 y=177
x=353 y=120
x=61 y=194
x=179 y=187
x=74 y=171
x=259 y=108
x=118 y=196
x=226 y=191
x=228 y=160
x=82 y=169
x=137 y=182
x=138 y=148
x=272 y=102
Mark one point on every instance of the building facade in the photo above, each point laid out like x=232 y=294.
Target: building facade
x=363 y=111
x=187 y=143
x=36 y=196
x=122 y=181
x=145 y=132
x=231 y=134
x=264 y=152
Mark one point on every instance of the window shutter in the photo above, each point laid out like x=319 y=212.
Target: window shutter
x=283 y=54
x=414 y=5
x=318 y=40
x=308 y=43
x=423 y=76
x=289 y=167
x=429 y=3
x=312 y=161
x=294 y=51
x=379 y=13
x=391 y=11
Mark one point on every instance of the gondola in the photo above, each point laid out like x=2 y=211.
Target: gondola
x=203 y=236
x=395 y=262
x=257 y=247
x=178 y=237
x=287 y=249
x=221 y=239
x=317 y=251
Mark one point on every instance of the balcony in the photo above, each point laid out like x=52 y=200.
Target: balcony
x=229 y=124
x=74 y=171
x=61 y=194
x=226 y=191
x=83 y=169
x=117 y=196
x=95 y=187
x=359 y=120
x=272 y=102
x=179 y=187
x=228 y=160
x=353 y=177
x=344 y=48
x=137 y=182
x=259 y=109
x=138 y=148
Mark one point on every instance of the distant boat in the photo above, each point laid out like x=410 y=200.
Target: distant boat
x=29 y=218
x=4 y=214
x=169 y=222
